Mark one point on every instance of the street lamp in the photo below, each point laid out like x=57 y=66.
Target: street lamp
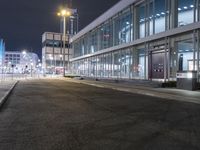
x=24 y=52
x=64 y=13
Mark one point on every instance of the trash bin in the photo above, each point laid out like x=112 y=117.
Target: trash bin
x=187 y=80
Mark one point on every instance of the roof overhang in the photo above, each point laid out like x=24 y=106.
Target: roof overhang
x=105 y=16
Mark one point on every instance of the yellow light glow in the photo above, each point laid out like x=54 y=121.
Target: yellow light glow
x=68 y=13
x=63 y=12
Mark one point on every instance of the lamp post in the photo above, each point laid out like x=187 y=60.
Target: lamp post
x=64 y=13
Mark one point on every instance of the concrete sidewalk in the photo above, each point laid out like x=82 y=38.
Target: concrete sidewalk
x=6 y=88
x=166 y=93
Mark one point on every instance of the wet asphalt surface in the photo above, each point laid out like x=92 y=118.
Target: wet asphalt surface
x=60 y=115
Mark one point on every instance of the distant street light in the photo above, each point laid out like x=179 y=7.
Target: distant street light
x=24 y=52
x=64 y=13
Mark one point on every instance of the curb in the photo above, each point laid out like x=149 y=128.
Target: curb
x=146 y=92
x=7 y=94
x=162 y=95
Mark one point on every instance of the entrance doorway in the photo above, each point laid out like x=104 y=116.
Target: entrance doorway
x=157 y=68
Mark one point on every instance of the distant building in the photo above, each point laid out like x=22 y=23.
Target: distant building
x=72 y=25
x=2 y=51
x=20 y=62
x=52 y=52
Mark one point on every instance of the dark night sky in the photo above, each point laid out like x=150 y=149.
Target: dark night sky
x=22 y=22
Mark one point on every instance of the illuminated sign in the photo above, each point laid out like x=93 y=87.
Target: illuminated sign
x=187 y=75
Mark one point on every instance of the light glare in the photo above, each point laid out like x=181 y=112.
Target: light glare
x=63 y=12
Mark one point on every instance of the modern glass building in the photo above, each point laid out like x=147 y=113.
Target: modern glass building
x=140 y=39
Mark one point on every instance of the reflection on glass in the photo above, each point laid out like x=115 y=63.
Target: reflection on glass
x=151 y=18
x=141 y=18
x=159 y=16
x=116 y=64
x=185 y=12
x=126 y=27
x=125 y=62
x=185 y=56
x=93 y=41
x=117 y=30
x=141 y=64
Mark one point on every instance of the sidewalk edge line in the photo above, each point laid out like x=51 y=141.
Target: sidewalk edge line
x=7 y=94
x=164 y=95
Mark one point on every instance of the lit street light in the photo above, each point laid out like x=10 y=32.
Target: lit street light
x=64 y=13
x=24 y=52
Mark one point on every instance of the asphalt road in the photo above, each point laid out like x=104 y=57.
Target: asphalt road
x=59 y=115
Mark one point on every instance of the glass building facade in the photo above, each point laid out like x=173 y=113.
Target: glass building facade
x=147 y=39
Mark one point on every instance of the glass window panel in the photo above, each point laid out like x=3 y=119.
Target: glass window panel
x=106 y=35
x=185 y=12
x=198 y=11
x=90 y=67
x=131 y=65
x=95 y=61
x=82 y=47
x=151 y=18
x=117 y=30
x=106 y=68
x=101 y=31
x=141 y=18
x=139 y=63
x=128 y=62
x=111 y=33
x=116 y=64
x=123 y=30
x=93 y=41
x=123 y=63
x=131 y=24
x=159 y=15
x=185 y=56
x=101 y=65
x=98 y=66
x=126 y=26
x=109 y=65
x=86 y=44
